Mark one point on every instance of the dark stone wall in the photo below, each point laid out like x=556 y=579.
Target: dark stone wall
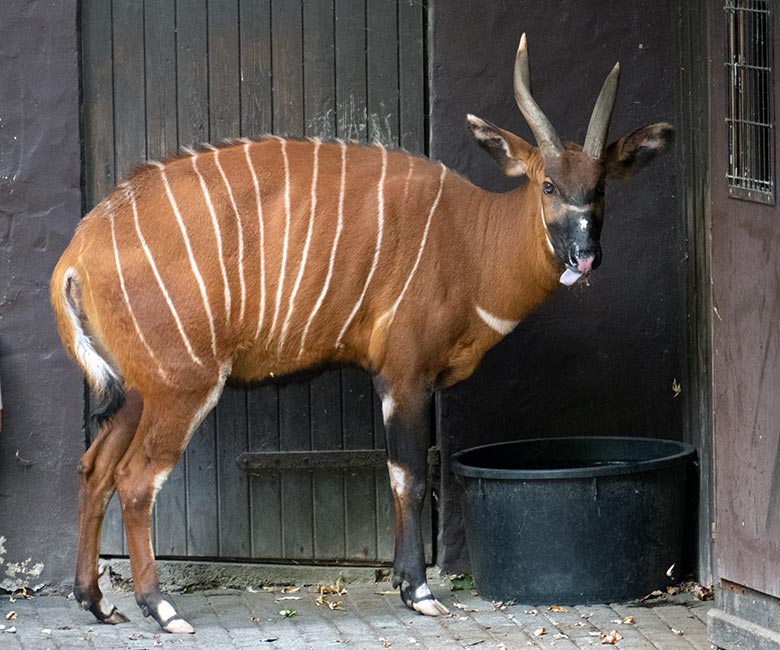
x=40 y=205
x=595 y=360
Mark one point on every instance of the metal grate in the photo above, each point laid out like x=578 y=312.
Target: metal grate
x=749 y=110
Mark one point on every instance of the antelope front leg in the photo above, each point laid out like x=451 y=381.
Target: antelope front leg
x=407 y=430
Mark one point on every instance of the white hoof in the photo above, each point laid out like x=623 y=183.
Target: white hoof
x=430 y=607
x=179 y=626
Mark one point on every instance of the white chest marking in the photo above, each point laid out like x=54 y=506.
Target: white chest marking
x=500 y=325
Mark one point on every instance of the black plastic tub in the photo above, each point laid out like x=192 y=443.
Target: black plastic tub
x=574 y=520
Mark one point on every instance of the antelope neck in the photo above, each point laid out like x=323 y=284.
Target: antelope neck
x=514 y=243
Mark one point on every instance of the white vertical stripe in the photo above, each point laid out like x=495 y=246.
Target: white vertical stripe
x=391 y=312
x=380 y=200
x=217 y=233
x=159 y=279
x=286 y=241
x=137 y=327
x=240 y=235
x=261 y=307
x=408 y=177
x=332 y=262
x=193 y=263
x=306 y=245
x=546 y=230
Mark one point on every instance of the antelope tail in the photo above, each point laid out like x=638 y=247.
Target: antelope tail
x=108 y=393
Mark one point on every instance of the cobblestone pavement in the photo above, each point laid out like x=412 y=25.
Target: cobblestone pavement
x=371 y=618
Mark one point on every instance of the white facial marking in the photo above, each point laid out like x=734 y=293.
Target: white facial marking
x=160 y=282
x=217 y=232
x=307 y=243
x=583 y=222
x=193 y=264
x=380 y=200
x=579 y=208
x=332 y=262
x=398 y=478
x=500 y=325
x=240 y=230
x=165 y=610
x=261 y=223
x=546 y=231
x=394 y=308
x=286 y=233
x=139 y=333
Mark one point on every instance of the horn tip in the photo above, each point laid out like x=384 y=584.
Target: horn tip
x=616 y=69
x=523 y=44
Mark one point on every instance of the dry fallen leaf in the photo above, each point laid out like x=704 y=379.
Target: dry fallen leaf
x=391 y=592
x=281 y=598
x=10 y=616
x=253 y=619
x=653 y=594
x=672 y=591
x=465 y=608
x=611 y=639
x=628 y=620
x=287 y=613
x=557 y=608
x=531 y=612
x=540 y=631
x=677 y=632
x=290 y=590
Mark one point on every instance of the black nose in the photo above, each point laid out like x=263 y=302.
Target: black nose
x=577 y=253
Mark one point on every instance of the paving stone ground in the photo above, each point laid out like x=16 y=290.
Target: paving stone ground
x=370 y=620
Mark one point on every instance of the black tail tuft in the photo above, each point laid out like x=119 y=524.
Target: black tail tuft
x=102 y=407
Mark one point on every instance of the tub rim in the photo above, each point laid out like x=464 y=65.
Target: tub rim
x=684 y=454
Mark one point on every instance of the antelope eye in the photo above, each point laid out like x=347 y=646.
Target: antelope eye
x=548 y=187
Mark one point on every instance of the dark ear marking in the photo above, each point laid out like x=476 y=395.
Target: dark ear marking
x=630 y=154
x=495 y=141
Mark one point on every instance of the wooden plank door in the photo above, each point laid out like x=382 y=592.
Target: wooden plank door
x=746 y=296
x=161 y=74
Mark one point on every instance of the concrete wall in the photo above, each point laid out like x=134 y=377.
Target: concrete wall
x=595 y=360
x=40 y=205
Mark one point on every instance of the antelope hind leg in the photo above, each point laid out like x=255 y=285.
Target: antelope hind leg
x=96 y=486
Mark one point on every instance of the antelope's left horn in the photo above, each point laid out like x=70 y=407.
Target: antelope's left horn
x=598 y=128
x=544 y=132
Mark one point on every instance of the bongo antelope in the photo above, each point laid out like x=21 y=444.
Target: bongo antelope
x=264 y=258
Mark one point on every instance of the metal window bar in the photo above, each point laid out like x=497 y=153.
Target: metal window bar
x=750 y=109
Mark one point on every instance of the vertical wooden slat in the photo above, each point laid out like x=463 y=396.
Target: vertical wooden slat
x=382 y=69
x=231 y=414
x=294 y=429
x=324 y=391
x=99 y=164
x=328 y=500
x=170 y=516
x=411 y=71
x=265 y=495
x=224 y=73
x=98 y=101
x=351 y=69
x=287 y=52
x=129 y=109
x=192 y=72
x=193 y=120
x=255 y=53
x=358 y=429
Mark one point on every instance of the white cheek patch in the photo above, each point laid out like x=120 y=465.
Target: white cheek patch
x=399 y=478
x=546 y=231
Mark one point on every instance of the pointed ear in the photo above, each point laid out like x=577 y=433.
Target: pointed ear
x=628 y=155
x=508 y=150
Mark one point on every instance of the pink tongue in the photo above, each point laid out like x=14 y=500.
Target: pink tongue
x=569 y=277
